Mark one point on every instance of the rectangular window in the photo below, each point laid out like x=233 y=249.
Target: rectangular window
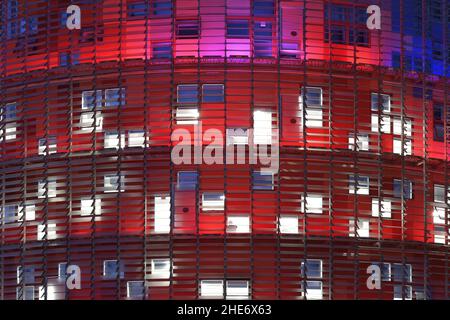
x=162 y=7
x=402 y=148
x=26 y=275
x=91 y=206
x=135 y=289
x=211 y=289
x=312 y=203
x=402 y=292
x=263 y=8
x=402 y=272
x=87 y=120
x=47 y=188
x=314 y=290
x=439 y=193
x=397 y=126
x=238 y=224
x=237 y=289
x=112 y=182
x=438 y=123
x=112 y=140
x=188 y=29
x=112 y=269
x=359 y=229
x=187 y=180
x=185 y=116
x=46 y=231
x=47 y=145
x=384 y=211
x=212 y=201
x=62 y=271
x=137 y=9
x=439 y=215
x=262 y=37
x=262 y=180
x=67 y=59
x=380 y=101
x=237 y=136
x=288 y=224
x=362 y=142
x=312 y=268
x=30 y=212
x=114 y=97
x=91 y=99
x=10 y=213
x=136 y=138
x=237 y=29
x=359 y=183
x=162 y=50
x=9 y=111
x=385 y=123
x=312 y=99
x=213 y=93
x=187 y=94
x=26 y=294
x=161 y=268
x=262 y=127
x=407 y=189
x=162 y=214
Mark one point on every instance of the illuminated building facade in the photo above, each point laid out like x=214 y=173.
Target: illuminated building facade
x=359 y=117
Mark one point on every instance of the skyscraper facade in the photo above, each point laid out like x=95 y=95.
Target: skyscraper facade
x=118 y=117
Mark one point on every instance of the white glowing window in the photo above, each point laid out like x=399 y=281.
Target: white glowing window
x=91 y=99
x=87 y=120
x=439 y=193
x=314 y=290
x=438 y=215
x=237 y=289
x=26 y=294
x=312 y=203
x=26 y=275
x=10 y=131
x=440 y=234
x=9 y=213
x=47 y=188
x=237 y=136
x=398 y=149
x=112 y=140
x=397 y=126
x=46 y=231
x=312 y=99
x=91 y=206
x=112 y=269
x=162 y=214
x=362 y=142
x=402 y=292
x=47 y=145
x=385 y=123
x=380 y=101
x=213 y=201
x=262 y=127
x=384 y=211
x=360 y=228
x=135 y=289
x=362 y=184
x=187 y=115
x=30 y=212
x=48 y=292
x=161 y=268
x=288 y=224
x=62 y=270
x=136 y=138
x=112 y=182
x=238 y=224
x=211 y=289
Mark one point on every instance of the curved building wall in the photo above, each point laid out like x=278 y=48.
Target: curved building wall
x=90 y=120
